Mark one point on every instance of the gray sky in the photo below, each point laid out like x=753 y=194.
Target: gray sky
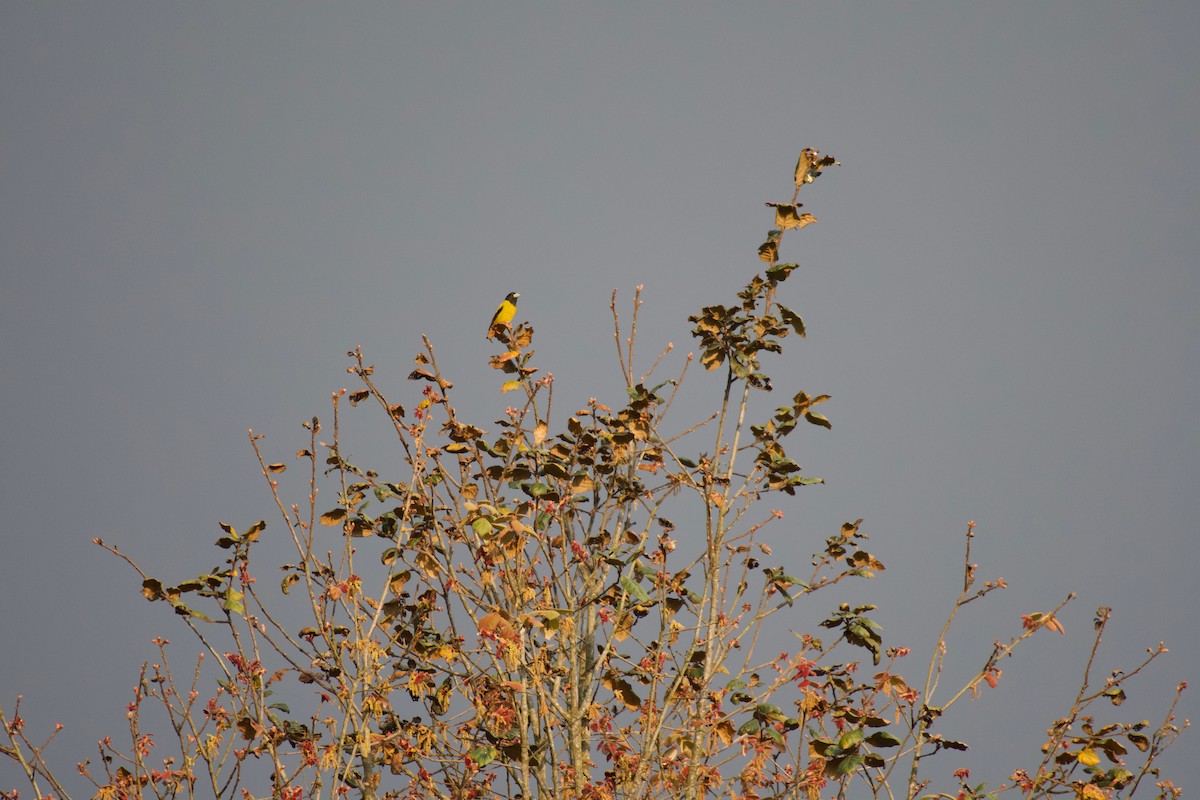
x=204 y=206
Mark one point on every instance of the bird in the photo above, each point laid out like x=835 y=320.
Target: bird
x=504 y=314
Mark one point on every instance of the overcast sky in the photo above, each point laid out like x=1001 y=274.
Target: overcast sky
x=203 y=206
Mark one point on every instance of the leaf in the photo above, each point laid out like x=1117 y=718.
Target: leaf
x=255 y=529
x=882 y=739
x=791 y=318
x=780 y=272
x=635 y=591
x=276 y=468
x=844 y=765
x=1088 y=757
x=622 y=689
x=482 y=756
x=810 y=165
x=495 y=624
x=788 y=216
x=768 y=251
x=803 y=165
x=1113 y=749
x=817 y=419
x=582 y=485
x=288 y=581
x=769 y=712
x=791 y=219
x=333 y=517
x=234 y=602
x=850 y=739
x=629 y=697
x=750 y=726
x=539 y=433
x=247 y=728
x=510 y=386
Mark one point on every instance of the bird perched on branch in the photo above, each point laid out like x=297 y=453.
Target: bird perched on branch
x=504 y=314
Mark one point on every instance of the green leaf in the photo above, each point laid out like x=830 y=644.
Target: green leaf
x=821 y=747
x=842 y=766
x=288 y=581
x=184 y=611
x=800 y=480
x=882 y=739
x=850 y=739
x=234 y=602
x=769 y=712
x=817 y=419
x=750 y=726
x=635 y=591
x=482 y=756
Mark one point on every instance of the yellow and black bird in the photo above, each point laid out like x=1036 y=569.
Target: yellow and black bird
x=504 y=314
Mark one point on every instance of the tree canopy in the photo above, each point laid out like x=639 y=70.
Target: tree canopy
x=573 y=604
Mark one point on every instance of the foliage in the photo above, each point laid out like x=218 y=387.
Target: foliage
x=567 y=605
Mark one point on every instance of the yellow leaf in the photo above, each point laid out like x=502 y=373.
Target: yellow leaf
x=803 y=165
x=623 y=627
x=1088 y=757
x=539 y=434
x=510 y=386
x=787 y=217
x=333 y=517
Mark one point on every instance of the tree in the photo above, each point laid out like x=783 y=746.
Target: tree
x=568 y=605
